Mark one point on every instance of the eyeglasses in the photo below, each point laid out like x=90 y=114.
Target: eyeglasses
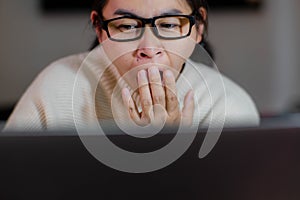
x=169 y=27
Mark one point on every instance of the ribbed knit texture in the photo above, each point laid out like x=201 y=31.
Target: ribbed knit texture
x=79 y=88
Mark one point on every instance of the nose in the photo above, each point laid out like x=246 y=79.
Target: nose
x=149 y=52
x=149 y=47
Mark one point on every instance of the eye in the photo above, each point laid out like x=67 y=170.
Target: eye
x=168 y=25
x=127 y=27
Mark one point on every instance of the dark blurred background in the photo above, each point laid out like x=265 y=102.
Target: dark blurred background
x=254 y=42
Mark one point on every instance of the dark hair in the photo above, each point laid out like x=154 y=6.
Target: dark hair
x=194 y=4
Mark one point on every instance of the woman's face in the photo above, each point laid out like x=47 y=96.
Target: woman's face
x=149 y=49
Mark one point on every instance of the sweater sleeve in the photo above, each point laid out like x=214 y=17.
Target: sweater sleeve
x=26 y=116
x=220 y=101
x=46 y=104
x=29 y=113
x=241 y=109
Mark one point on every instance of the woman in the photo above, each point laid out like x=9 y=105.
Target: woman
x=144 y=53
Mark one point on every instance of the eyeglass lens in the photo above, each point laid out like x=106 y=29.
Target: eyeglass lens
x=166 y=27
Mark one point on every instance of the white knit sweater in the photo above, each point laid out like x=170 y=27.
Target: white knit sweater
x=72 y=88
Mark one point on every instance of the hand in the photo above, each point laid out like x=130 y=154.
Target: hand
x=158 y=101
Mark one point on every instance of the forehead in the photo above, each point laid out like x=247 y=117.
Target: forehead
x=145 y=8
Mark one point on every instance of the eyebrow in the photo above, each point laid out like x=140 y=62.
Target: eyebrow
x=125 y=13
x=128 y=13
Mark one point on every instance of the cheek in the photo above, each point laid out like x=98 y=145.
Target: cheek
x=175 y=61
x=182 y=49
x=120 y=54
x=114 y=50
x=197 y=35
x=123 y=63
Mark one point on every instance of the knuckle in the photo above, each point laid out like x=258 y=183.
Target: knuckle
x=158 y=99
x=131 y=109
x=155 y=79
x=143 y=86
x=146 y=103
x=172 y=99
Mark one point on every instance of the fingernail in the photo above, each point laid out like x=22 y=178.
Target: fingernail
x=168 y=74
x=153 y=70
x=142 y=76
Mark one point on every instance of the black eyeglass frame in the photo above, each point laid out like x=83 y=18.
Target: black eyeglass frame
x=104 y=24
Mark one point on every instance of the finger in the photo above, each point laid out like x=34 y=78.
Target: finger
x=145 y=95
x=157 y=90
x=170 y=92
x=130 y=106
x=188 y=108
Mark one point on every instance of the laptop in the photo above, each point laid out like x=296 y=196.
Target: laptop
x=257 y=163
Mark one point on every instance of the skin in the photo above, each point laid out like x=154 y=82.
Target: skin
x=157 y=94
